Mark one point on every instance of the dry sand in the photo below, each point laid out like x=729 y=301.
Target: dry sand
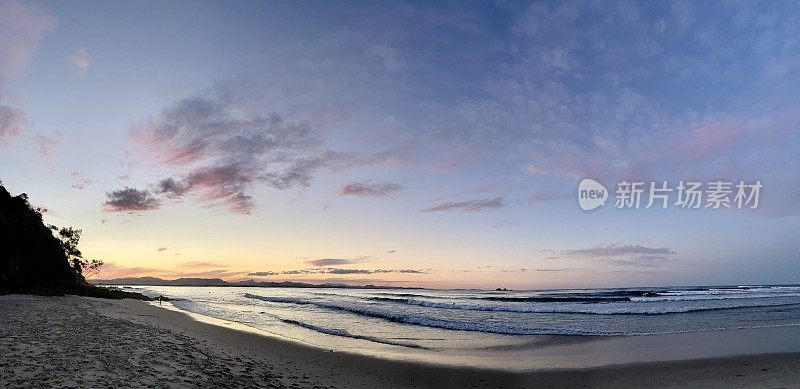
x=83 y=342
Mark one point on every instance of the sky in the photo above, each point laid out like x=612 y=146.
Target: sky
x=431 y=144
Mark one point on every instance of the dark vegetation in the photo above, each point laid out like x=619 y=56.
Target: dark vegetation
x=44 y=260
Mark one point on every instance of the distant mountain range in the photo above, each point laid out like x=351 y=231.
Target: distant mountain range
x=153 y=281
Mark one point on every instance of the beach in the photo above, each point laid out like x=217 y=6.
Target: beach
x=86 y=342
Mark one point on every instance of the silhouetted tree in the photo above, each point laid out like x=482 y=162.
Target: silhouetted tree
x=69 y=238
x=44 y=259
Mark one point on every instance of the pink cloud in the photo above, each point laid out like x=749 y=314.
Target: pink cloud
x=81 y=60
x=46 y=145
x=12 y=122
x=113 y=270
x=219 y=153
x=22 y=27
x=709 y=139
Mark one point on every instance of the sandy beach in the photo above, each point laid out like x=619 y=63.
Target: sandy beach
x=85 y=342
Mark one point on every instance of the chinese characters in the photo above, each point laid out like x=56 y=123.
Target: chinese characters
x=688 y=194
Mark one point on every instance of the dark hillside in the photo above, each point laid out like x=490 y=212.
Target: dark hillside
x=32 y=260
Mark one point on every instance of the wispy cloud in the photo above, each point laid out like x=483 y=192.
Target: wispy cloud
x=46 y=145
x=546 y=270
x=468 y=206
x=112 y=270
x=370 y=189
x=225 y=149
x=336 y=261
x=339 y=271
x=22 y=27
x=263 y=273
x=334 y=270
x=488 y=269
x=80 y=182
x=81 y=60
x=620 y=254
x=200 y=265
x=615 y=249
x=640 y=260
x=537 y=198
x=12 y=122
x=215 y=273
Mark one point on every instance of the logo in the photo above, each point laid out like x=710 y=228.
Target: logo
x=591 y=194
x=685 y=194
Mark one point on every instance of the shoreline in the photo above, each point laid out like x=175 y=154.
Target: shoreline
x=550 y=352
x=253 y=359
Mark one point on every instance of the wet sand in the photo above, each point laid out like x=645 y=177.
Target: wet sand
x=83 y=342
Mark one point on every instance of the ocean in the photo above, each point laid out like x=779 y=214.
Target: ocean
x=452 y=320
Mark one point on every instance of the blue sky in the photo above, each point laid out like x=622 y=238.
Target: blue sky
x=433 y=144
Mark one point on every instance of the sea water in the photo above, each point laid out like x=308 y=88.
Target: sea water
x=427 y=319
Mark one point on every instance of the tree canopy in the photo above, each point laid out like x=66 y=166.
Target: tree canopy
x=69 y=238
